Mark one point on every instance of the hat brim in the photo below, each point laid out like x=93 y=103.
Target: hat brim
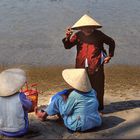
x=91 y=26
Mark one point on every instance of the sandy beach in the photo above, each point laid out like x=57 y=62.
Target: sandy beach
x=122 y=104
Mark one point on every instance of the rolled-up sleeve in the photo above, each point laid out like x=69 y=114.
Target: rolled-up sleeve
x=70 y=42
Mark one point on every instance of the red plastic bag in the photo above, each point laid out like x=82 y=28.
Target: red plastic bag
x=31 y=93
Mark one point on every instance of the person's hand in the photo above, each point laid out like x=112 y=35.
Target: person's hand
x=40 y=114
x=107 y=59
x=69 y=32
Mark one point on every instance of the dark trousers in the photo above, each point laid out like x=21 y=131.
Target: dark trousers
x=97 y=82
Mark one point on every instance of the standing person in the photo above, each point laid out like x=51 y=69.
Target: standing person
x=78 y=107
x=14 y=105
x=90 y=51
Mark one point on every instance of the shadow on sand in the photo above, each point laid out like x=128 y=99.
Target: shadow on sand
x=46 y=130
x=107 y=123
x=122 y=105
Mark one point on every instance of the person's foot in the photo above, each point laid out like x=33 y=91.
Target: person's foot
x=40 y=114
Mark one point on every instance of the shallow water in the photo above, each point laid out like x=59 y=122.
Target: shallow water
x=31 y=30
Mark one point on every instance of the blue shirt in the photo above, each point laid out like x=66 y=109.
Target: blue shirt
x=79 y=112
x=27 y=104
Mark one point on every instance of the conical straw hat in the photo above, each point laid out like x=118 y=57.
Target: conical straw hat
x=85 y=21
x=77 y=78
x=11 y=80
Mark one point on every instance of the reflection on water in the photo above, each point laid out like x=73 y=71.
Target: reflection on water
x=31 y=30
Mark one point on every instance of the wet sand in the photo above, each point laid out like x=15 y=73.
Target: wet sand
x=122 y=104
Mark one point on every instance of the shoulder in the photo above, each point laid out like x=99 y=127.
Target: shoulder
x=103 y=35
x=98 y=32
x=74 y=94
x=93 y=91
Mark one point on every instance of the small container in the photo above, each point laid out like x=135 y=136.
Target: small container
x=31 y=93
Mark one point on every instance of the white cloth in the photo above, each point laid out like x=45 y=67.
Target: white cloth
x=86 y=63
x=103 y=56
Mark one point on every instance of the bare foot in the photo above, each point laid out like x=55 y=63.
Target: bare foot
x=40 y=114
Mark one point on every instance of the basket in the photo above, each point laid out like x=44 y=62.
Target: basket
x=31 y=93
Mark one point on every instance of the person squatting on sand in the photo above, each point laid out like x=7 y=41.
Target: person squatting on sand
x=78 y=107
x=90 y=51
x=14 y=105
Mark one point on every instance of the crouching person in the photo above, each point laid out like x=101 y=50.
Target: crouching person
x=14 y=105
x=78 y=106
